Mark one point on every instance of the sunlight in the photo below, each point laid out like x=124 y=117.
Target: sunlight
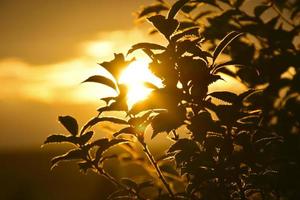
x=134 y=76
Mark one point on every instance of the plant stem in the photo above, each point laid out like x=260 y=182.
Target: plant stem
x=112 y=179
x=155 y=165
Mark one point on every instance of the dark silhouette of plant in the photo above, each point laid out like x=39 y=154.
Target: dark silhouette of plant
x=224 y=146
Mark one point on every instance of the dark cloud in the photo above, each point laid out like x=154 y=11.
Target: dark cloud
x=43 y=32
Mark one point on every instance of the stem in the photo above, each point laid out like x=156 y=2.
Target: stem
x=112 y=179
x=155 y=165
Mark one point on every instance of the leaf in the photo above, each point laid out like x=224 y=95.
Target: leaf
x=202 y=14
x=225 y=96
x=156 y=8
x=73 y=154
x=104 y=144
x=96 y=120
x=84 y=166
x=145 y=185
x=165 y=26
x=116 y=65
x=102 y=80
x=218 y=67
x=86 y=137
x=185 y=32
x=69 y=123
x=129 y=183
x=127 y=130
x=145 y=45
x=183 y=144
x=56 y=139
x=260 y=9
x=224 y=42
x=176 y=7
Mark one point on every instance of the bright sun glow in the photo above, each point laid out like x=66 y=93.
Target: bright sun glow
x=134 y=76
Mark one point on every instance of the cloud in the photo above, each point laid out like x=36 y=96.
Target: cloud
x=60 y=82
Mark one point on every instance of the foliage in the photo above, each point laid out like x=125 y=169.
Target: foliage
x=230 y=150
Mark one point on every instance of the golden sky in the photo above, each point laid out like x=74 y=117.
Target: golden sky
x=47 y=49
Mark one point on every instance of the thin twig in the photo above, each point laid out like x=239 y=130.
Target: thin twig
x=155 y=165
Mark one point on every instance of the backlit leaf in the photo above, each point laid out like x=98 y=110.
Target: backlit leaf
x=145 y=45
x=73 y=154
x=176 y=7
x=69 y=123
x=102 y=80
x=224 y=42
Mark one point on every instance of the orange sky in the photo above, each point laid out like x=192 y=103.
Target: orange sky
x=47 y=49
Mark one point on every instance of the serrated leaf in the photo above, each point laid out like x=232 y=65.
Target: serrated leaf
x=165 y=26
x=224 y=42
x=225 y=96
x=73 y=154
x=102 y=80
x=176 y=7
x=145 y=45
x=69 y=123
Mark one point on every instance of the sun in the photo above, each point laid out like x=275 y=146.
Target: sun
x=134 y=76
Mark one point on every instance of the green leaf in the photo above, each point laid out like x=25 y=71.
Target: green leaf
x=69 y=123
x=224 y=42
x=225 y=96
x=176 y=7
x=73 y=154
x=145 y=45
x=102 y=80
x=165 y=26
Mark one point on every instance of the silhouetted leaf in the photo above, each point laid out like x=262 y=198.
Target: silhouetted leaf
x=145 y=45
x=225 y=96
x=96 y=120
x=56 y=139
x=73 y=154
x=84 y=166
x=183 y=144
x=86 y=137
x=189 y=31
x=260 y=9
x=165 y=26
x=102 y=80
x=175 y=8
x=116 y=65
x=127 y=130
x=224 y=42
x=69 y=123
x=156 y=8
x=129 y=183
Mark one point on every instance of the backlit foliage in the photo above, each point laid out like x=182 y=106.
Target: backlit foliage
x=225 y=145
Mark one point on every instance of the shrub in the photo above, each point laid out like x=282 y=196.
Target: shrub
x=226 y=147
